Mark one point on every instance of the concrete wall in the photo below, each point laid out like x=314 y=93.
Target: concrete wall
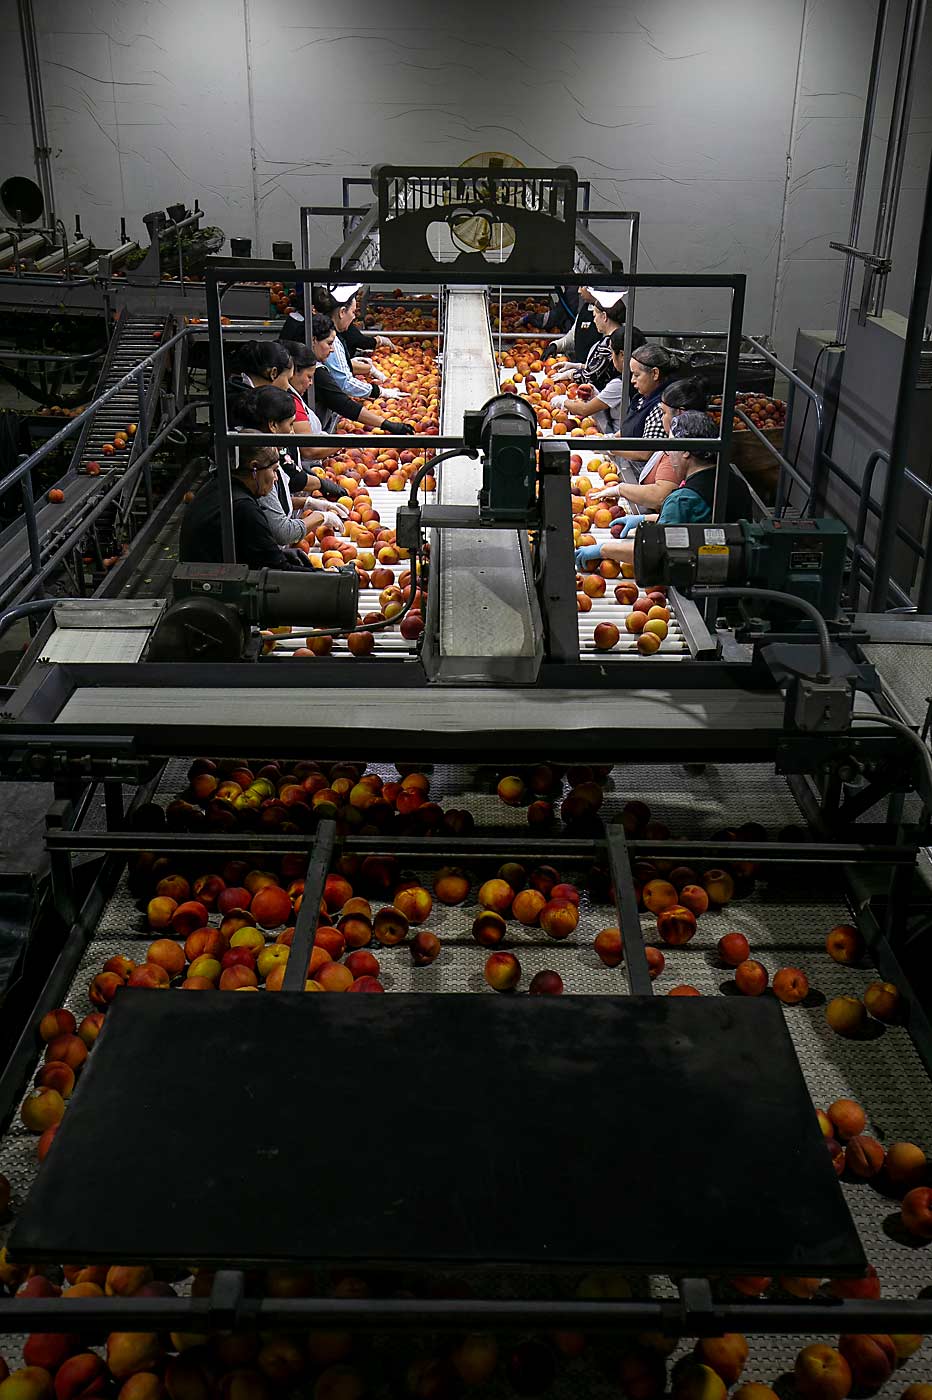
x=732 y=125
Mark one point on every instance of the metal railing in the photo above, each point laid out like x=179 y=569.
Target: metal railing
x=21 y=474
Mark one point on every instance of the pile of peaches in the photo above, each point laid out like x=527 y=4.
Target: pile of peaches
x=764 y=412
x=529 y=370
x=405 y=318
x=284 y=798
x=411 y=367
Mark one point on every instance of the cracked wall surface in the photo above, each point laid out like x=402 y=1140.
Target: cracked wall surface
x=732 y=125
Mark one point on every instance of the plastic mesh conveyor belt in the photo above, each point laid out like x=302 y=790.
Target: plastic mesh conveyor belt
x=786 y=926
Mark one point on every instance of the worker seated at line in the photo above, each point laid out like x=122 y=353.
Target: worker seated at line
x=649 y=377
x=691 y=503
x=341 y=304
x=262 y=364
x=608 y=314
x=253 y=471
x=658 y=476
x=272 y=411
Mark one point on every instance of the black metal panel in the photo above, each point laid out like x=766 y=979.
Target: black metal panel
x=490 y=1099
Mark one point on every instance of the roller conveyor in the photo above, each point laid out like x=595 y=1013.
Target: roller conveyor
x=488 y=623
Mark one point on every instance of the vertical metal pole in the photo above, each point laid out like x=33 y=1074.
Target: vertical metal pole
x=40 y=136
x=729 y=392
x=142 y=427
x=905 y=403
x=857 y=203
x=218 y=404
x=32 y=531
x=896 y=150
x=306 y=288
x=633 y=229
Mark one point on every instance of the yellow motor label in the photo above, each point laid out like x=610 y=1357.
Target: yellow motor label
x=712 y=563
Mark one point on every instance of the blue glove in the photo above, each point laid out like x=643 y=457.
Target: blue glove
x=588 y=557
x=632 y=522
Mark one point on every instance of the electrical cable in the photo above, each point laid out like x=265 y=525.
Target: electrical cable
x=772 y=595
x=905 y=733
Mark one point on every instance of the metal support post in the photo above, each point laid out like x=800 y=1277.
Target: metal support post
x=32 y=532
x=729 y=394
x=306 y=922
x=555 y=572
x=629 y=920
x=142 y=427
x=905 y=400
x=218 y=403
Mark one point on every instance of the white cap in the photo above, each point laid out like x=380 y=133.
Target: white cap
x=608 y=296
x=345 y=293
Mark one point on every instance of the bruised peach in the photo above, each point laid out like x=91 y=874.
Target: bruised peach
x=390 y=926
x=489 y=928
x=694 y=898
x=845 y=944
x=425 y=948
x=864 y=1156
x=658 y=895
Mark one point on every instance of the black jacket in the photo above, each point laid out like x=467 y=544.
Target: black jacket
x=200 y=540
x=329 y=398
x=738 y=506
x=356 y=342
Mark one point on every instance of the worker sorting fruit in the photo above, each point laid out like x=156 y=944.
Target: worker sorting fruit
x=658 y=476
x=254 y=472
x=690 y=503
x=271 y=410
x=652 y=367
x=600 y=366
x=332 y=402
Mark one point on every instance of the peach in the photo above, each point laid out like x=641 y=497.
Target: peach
x=868 y=1286
x=475 y=1358
x=917 y=1391
x=635 y=622
x=83 y=1290
x=271 y=907
x=425 y=948
x=81 y=1376
x=676 y=925
x=906 y=1344
x=512 y=791
x=845 y=944
x=208 y=889
x=684 y=990
x=257 y=880
x=870 y=1356
x=124 y=1280
x=594 y=586
x=846 y=1015
x=44 y=1145
x=916 y=1212
x=753 y=1390
x=655 y=962
x=726 y=1355
x=882 y=1000
x=751 y=978
x=546 y=983
x=847 y=1118
x=129 y=1352
x=751 y=1286
x=502 y=972
x=559 y=918
x=68 y=1049
x=363 y=964
x=318 y=957
x=489 y=928
x=564 y=891
x=329 y=938
x=719 y=886
x=790 y=985
x=55 y=1023
x=274 y=956
x=143 y=1386
x=801 y=1287
x=334 y=977
x=249 y=938
x=543 y=878
x=165 y=952
x=104 y=987
x=230 y=924
x=205 y=968
x=825 y=1124
x=359 y=984
x=233 y=897
x=120 y=965
x=233 y=979
x=864 y=1156
x=29 y=1382
x=527 y=907
x=356 y=930
x=822 y=1373
x=150 y=975
x=91 y=1027
x=390 y=927
x=658 y=895
x=56 y=1075
x=189 y=916
x=38 y=1286
x=694 y=898
x=50 y=1349
x=415 y=903
x=609 y=947
x=733 y=949
x=197 y=984
x=606 y=636
x=904 y=1166
x=496 y=895
x=643 y=1374
x=694 y=1381
x=204 y=942
x=346 y=1383
x=174 y=887
x=159 y=911
x=451 y=885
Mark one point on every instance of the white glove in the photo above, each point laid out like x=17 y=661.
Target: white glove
x=392 y=394
x=334 y=517
x=384 y=342
x=376 y=373
x=564 y=372
x=558 y=401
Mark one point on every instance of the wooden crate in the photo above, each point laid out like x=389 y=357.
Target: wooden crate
x=751 y=458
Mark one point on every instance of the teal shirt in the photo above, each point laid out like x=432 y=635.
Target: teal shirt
x=684 y=507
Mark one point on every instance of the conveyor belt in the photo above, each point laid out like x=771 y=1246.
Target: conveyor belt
x=488 y=625
x=134 y=339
